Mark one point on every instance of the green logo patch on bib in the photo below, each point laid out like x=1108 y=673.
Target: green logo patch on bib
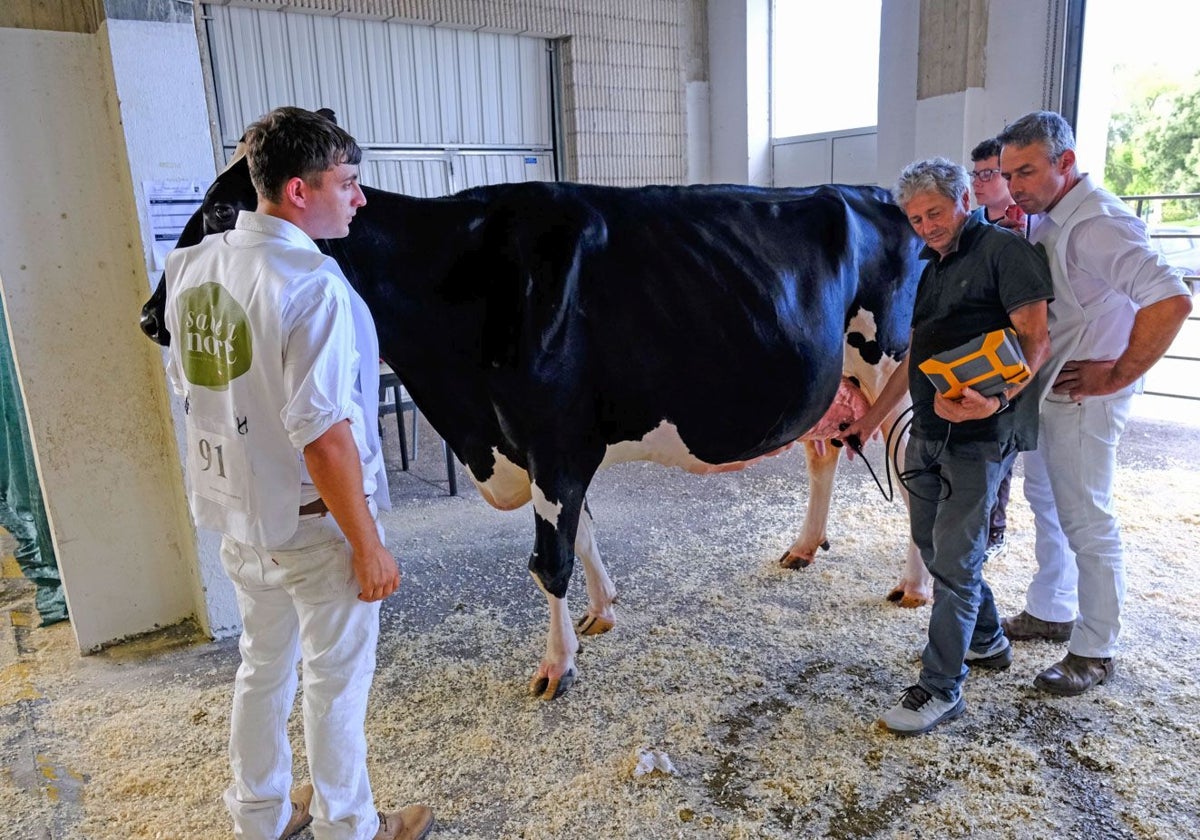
x=215 y=345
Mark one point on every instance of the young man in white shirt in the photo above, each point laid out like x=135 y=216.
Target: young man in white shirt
x=278 y=361
x=1117 y=306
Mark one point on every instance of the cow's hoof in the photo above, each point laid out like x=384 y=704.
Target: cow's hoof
x=594 y=625
x=907 y=600
x=551 y=688
x=794 y=561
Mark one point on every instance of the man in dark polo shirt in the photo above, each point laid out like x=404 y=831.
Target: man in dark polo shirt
x=978 y=278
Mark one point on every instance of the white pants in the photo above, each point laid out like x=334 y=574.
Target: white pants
x=1068 y=482
x=300 y=602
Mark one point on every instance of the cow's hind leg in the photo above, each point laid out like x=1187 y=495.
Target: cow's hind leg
x=822 y=466
x=600 y=616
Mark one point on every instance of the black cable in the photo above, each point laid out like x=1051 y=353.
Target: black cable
x=891 y=455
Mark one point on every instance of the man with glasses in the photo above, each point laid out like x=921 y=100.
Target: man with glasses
x=991 y=194
x=991 y=190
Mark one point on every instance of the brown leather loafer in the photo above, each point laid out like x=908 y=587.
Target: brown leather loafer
x=411 y=823
x=1075 y=674
x=1022 y=627
x=300 y=818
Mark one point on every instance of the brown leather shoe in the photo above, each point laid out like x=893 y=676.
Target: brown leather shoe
x=301 y=800
x=1022 y=627
x=1075 y=674
x=411 y=823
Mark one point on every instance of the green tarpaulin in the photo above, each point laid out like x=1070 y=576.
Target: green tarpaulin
x=22 y=512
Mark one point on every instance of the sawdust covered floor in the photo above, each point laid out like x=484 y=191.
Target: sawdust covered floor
x=761 y=685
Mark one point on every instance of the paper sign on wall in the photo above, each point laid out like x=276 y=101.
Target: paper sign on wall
x=171 y=204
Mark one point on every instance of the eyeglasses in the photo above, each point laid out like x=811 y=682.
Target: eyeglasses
x=984 y=175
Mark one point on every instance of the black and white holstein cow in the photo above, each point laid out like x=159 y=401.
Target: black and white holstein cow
x=548 y=329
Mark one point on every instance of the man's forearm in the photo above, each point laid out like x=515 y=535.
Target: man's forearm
x=1154 y=328
x=893 y=391
x=333 y=462
x=1030 y=321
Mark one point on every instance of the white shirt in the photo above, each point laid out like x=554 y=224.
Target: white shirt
x=308 y=358
x=1104 y=271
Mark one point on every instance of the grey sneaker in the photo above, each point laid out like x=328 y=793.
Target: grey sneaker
x=1022 y=627
x=919 y=711
x=996 y=658
x=997 y=547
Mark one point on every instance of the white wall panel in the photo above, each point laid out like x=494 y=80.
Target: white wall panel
x=475 y=170
x=445 y=43
x=802 y=164
x=622 y=62
x=422 y=178
x=302 y=37
x=491 y=118
x=838 y=157
x=855 y=159
x=393 y=85
x=428 y=110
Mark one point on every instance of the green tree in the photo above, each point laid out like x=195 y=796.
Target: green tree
x=1154 y=141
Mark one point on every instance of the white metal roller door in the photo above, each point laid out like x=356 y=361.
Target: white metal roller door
x=436 y=110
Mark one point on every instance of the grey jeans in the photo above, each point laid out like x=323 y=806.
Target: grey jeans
x=951 y=536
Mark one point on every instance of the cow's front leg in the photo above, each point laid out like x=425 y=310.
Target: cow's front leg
x=556 y=672
x=556 y=521
x=822 y=462
x=600 y=616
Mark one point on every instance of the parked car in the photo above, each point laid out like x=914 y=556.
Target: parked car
x=1180 y=252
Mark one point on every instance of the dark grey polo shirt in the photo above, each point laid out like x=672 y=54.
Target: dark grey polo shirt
x=970 y=292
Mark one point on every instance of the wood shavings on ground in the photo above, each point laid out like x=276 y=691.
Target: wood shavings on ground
x=762 y=685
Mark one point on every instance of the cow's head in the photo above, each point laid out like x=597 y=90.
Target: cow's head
x=230 y=193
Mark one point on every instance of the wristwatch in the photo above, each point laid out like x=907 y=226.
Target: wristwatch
x=1004 y=403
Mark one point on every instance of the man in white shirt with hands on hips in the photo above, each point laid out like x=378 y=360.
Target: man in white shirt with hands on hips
x=278 y=361
x=1117 y=306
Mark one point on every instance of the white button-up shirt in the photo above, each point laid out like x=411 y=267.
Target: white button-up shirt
x=1104 y=271
x=315 y=362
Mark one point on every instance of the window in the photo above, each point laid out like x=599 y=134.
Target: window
x=824 y=65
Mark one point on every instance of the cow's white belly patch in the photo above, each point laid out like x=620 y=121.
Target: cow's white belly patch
x=508 y=488
x=663 y=445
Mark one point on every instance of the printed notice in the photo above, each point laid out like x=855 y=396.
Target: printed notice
x=171 y=203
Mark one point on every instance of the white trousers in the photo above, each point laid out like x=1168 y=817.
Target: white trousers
x=1068 y=483
x=300 y=602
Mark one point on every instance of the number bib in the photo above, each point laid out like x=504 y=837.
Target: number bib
x=217 y=465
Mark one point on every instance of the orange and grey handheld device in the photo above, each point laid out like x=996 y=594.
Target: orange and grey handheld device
x=989 y=364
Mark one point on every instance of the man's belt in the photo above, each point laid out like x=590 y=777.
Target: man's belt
x=316 y=506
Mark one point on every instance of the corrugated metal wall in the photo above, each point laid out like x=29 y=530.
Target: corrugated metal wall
x=436 y=110
x=623 y=108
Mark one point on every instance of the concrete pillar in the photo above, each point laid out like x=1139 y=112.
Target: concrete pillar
x=958 y=71
x=739 y=95
x=73 y=279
